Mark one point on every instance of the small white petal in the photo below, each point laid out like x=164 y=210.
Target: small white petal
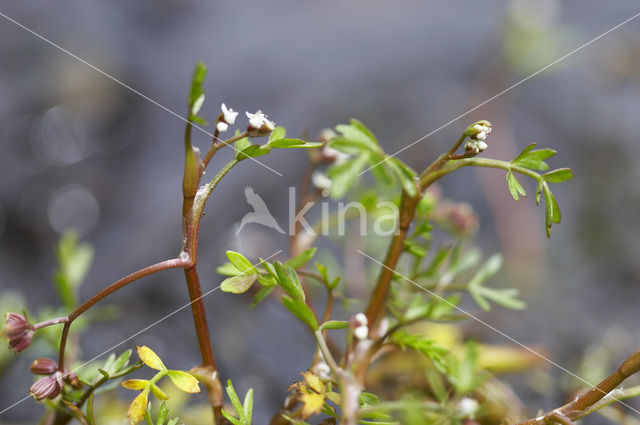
x=481 y=136
x=320 y=180
x=482 y=146
x=361 y=332
x=362 y=320
x=479 y=127
x=222 y=126
x=228 y=115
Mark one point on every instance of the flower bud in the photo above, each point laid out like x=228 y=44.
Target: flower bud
x=361 y=332
x=15 y=324
x=360 y=319
x=73 y=380
x=222 y=126
x=43 y=366
x=18 y=331
x=478 y=131
x=46 y=387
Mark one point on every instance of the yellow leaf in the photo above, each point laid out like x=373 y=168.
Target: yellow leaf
x=185 y=381
x=137 y=408
x=135 y=384
x=312 y=404
x=150 y=358
x=314 y=382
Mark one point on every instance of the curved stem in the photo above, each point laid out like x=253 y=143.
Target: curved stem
x=164 y=265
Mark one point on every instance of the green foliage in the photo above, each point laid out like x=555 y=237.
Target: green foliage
x=244 y=411
x=534 y=160
x=196 y=93
x=357 y=141
x=74 y=260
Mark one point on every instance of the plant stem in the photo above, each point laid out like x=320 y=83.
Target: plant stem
x=597 y=397
x=375 y=309
x=199 y=317
x=165 y=265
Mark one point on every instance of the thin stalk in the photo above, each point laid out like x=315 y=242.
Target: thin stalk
x=165 y=265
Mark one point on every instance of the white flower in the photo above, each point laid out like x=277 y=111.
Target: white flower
x=481 y=146
x=467 y=408
x=228 y=115
x=222 y=126
x=361 y=332
x=482 y=136
x=320 y=180
x=259 y=121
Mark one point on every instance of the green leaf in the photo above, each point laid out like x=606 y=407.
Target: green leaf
x=533 y=159
x=261 y=295
x=162 y=414
x=238 y=284
x=185 y=381
x=278 y=133
x=334 y=324
x=344 y=175
x=405 y=174
x=241 y=145
x=288 y=279
x=228 y=269
x=150 y=358
x=551 y=209
x=300 y=259
x=515 y=188
x=248 y=406
x=414 y=248
x=490 y=268
x=292 y=144
x=422 y=344
x=199 y=74
x=301 y=310
x=240 y=262
x=252 y=152
x=357 y=132
x=558 y=176
x=506 y=297
x=267 y=280
x=235 y=400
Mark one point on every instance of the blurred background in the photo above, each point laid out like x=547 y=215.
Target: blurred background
x=80 y=151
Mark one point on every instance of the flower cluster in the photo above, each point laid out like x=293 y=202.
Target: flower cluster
x=18 y=331
x=477 y=134
x=361 y=328
x=259 y=125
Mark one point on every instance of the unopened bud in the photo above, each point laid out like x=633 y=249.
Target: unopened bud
x=46 y=387
x=18 y=331
x=361 y=332
x=361 y=319
x=43 y=366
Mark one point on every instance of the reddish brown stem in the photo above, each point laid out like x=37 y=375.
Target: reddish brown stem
x=165 y=265
x=375 y=309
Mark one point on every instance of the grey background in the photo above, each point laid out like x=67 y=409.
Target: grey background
x=403 y=68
